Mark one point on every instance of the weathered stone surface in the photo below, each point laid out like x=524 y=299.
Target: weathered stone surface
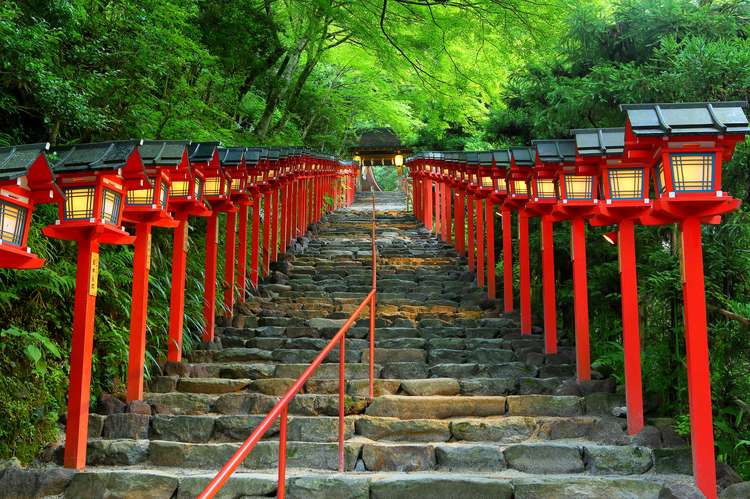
x=506 y=430
x=271 y=386
x=437 y=407
x=238 y=428
x=189 y=455
x=325 y=405
x=555 y=428
x=242 y=355
x=211 y=385
x=398 y=457
x=361 y=387
x=387 y=355
x=196 y=429
x=405 y=370
x=487 y=386
x=18 y=482
x=126 y=425
x=124 y=483
x=613 y=459
x=244 y=403
x=179 y=403
x=431 y=386
x=578 y=488
x=138 y=407
x=397 y=430
x=544 y=405
x=247 y=371
x=109 y=404
x=440 y=487
x=320 y=323
x=339 y=486
x=538 y=386
x=673 y=460
x=163 y=384
x=317 y=429
x=544 y=458
x=116 y=452
x=239 y=485
x=469 y=457
x=313 y=455
x=736 y=491
x=453 y=370
x=491 y=356
x=96 y=425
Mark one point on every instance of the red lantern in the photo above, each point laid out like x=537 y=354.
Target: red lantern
x=25 y=180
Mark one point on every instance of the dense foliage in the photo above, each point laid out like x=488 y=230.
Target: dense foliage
x=457 y=74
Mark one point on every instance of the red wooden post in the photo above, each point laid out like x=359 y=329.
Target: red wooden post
x=548 y=284
x=229 y=254
x=139 y=311
x=275 y=224
x=209 y=301
x=242 y=254
x=267 y=209
x=696 y=346
x=281 y=484
x=580 y=298
x=79 y=390
x=525 y=278
x=480 y=242
x=470 y=206
x=177 y=295
x=284 y=192
x=507 y=261
x=438 y=209
x=255 y=241
x=447 y=236
x=428 y=205
x=460 y=222
x=630 y=327
x=491 y=293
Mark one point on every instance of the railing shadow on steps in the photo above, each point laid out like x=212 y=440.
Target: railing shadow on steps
x=281 y=409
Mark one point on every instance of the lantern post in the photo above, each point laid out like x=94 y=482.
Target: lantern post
x=256 y=179
x=26 y=180
x=624 y=198
x=428 y=198
x=688 y=145
x=94 y=179
x=245 y=202
x=233 y=162
x=185 y=200
x=471 y=181
x=522 y=159
x=459 y=205
x=485 y=218
x=146 y=207
x=275 y=160
x=500 y=163
x=216 y=192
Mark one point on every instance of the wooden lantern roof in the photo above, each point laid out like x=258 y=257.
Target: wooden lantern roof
x=120 y=156
x=501 y=158
x=692 y=118
x=231 y=156
x=30 y=162
x=170 y=153
x=523 y=156
x=599 y=141
x=204 y=152
x=555 y=150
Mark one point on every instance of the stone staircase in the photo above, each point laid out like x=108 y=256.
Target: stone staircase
x=465 y=406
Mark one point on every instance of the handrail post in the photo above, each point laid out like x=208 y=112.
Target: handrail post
x=281 y=486
x=342 y=397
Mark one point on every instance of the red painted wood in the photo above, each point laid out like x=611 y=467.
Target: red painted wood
x=548 y=284
x=177 y=296
x=139 y=311
x=266 y=232
x=209 y=298
x=242 y=254
x=255 y=242
x=630 y=327
x=696 y=343
x=428 y=205
x=470 y=217
x=580 y=299
x=82 y=343
x=447 y=236
x=480 y=242
x=275 y=224
x=507 y=261
x=525 y=277
x=490 y=219
x=460 y=222
x=229 y=262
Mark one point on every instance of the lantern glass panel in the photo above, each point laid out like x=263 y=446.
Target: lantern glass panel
x=12 y=223
x=661 y=181
x=79 y=203
x=520 y=187
x=271 y=174
x=197 y=188
x=180 y=188
x=140 y=197
x=501 y=186
x=487 y=182
x=213 y=186
x=579 y=187
x=236 y=184
x=545 y=188
x=111 y=207
x=163 y=193
x=626 y=183
x=693 y=172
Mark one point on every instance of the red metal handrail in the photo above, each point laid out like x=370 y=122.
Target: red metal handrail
x=281 y=409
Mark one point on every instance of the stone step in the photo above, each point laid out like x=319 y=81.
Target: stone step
x=544 y=458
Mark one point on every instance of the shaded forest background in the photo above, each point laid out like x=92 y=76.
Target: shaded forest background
x=452 y=74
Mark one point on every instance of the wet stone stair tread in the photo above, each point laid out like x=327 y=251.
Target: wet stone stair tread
x=464 y=405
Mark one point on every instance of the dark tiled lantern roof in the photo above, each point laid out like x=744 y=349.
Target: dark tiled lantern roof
x=202 y=152
x=523 y=156
x=599 y=141
x=231 y=156
x=555 y=150
x=163 y=152
x=252 y=156
x=379 y=138
x=94 y=156
x=472 y=158
x=485 y=158
x=16 y=161
x=687 y=118
x=501 y=157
